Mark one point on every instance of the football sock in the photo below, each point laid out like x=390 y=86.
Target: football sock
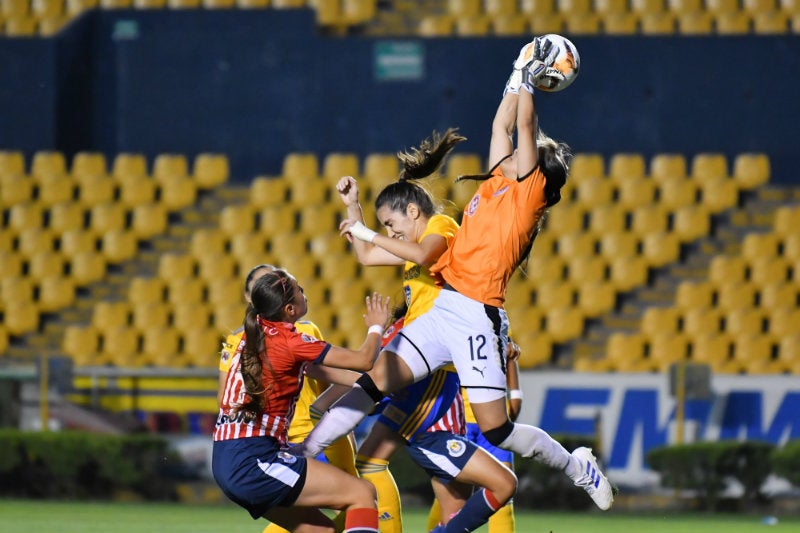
x=376 y=471
x=340 y=420
x=503 y=520
x=479 y=507
x=362 y=520
x=434 y=515
x=530 y=441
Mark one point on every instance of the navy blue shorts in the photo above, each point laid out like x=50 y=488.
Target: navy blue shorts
x=254 y=473
x=441 y=454
x=474 y=435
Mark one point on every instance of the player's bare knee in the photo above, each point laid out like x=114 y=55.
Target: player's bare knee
x=314 y=528
x=365 y=494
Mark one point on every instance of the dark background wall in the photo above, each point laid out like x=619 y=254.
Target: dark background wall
x=256 y=85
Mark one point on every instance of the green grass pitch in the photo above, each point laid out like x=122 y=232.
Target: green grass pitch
x=35 y=516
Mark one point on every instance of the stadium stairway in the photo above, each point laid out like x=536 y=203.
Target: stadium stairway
x=754 y=214
x=113 y=287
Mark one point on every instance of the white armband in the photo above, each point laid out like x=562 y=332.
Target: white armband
x=515 y=394
x=361 y=232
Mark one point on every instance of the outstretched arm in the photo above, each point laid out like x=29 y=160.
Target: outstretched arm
x=527 y=126
x=501 y=144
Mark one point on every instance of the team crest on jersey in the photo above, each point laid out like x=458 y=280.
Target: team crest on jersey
x=287 y=458
x=456 y=448
x=407 y=294
x=473 y=205
x=307 y=338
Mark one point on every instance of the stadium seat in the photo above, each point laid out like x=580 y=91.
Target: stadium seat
x=21 y=26
x=576 y=244
x=783 y=321
x=636 y=192
x=536 y=346
x=724 y=269
x=168 y=167
x=176 y=265
x=33 y=240
x=712 y=349
x=436 y=26
x=700 y=320
x=268 y=191
x=565 y=218
x=621 y=244
x=586 y=165
x=84 y=164
x=234 y=219
x=115 y=4
x=620 y=23
x=791 y=250
x=186 y=290
x=564 y=323
x=625 y=351
x=87 y=267
x=665 y=349
x=12 y=162
x=177 y=193
x=553 y=294
x=722 y=6
x=93 y=189
x=188 y=318
x=15 y=189
x=770 y=23
x=755 y=7
x=786 y=221
x=472 y=25
x=587 y=269
x=767 y=270
x=756 y=245
x=136 y=190
x=336 y=165
x=647 y=6
x=286 y=244
x=120 y=346
x=582 y=24
x=610 y=6
x=10 y=264
x=694 y=294
x=778 y=294
x=543 y=269
x=745 y=321
x=700 y=23
x=626 y=166
x=214 y=266
x=208 y=241
x=537 y=7
x=46 y=263
x=222 y=292
x=245 y=245
x=21 y=317
x=150 y=315
x=80 y=343
x=160 y=347
x=338 y=266
x=142 y=290
x=789 y=354
x=676 y=193
x=719 y=194
x=708 y=165
x=684 y=6
x=661 y=248
x=201 y=348
x=735 y=295
x=149 y=220
x=666 y=167
x=596 y=298
x=55 y=188
x=751 y=170
x=252 y=4
x=572 y=7
x=658 y=23
x=607 y=219
x=627 y=273
x=593 y=191
x=323 y=218
x=129 y=164
x=547 y=23
x=300 y=166
x=47 y=163
x=790 y=7
x=732 y=23
x=66 y=216
x=752 y=353
x=75 y=241
x=659 y=319
x=26 y=215
x=16 y=289
x=358 y=12
x=691 y=222
x=118 y=246
x=210 y=170
x=649 y=219
x=107 y=217
x=509 y=25
x=309 y=192
x=76 y=7
x=464 y=7
x=149 y=4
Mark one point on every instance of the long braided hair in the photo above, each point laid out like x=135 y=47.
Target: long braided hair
x=269 y=295
x=419 y=163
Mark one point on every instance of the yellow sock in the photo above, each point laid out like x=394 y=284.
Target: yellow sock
x=273 y=528
x=341 y=455
x=376 y=471
x=503 y=520
x=434 y=515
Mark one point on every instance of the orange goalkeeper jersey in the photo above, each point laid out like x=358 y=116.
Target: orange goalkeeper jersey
x=495 y=234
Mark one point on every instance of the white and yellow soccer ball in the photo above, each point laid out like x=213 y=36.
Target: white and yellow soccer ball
x=567 y=61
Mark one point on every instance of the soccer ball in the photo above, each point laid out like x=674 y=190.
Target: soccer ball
x=567 y=61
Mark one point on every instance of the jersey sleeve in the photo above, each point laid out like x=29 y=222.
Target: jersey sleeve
x=309 y=328
x=306 y=347
x=441 y=225
x=229 y=347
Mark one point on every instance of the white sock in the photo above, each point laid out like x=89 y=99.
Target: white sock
x=338 y=421
x=530 y=441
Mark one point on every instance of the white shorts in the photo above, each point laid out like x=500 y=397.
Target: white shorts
x=469 y=334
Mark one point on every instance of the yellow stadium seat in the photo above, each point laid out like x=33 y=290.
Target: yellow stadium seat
x=543 y=269
x=752 y=353
x=176 y=266
x=553 y=294
x=547 y=23
x=235 y=219
x=149 y=4
x=338 y=266
x=735 y=295
x=566 y=218
x=610 y=6
x=269 y=191
x=624 y=351
x=668 y=167
x=216 y=266
x=7 y=239
x=587 y=269
x=87 y=267
x=767 y=270
x=691 y=222
x=675 y=194
x=790 y=7
x=150 y=315
x=658 y=23
x=20 y=26
x=26 y=215
x=33 y=240
x=659 y=319
x=336 y=165
x=222 y=292
x=536 y=348
x=129 y=164
x=564 y=323
x=149 y=220
x=119 y=245
x=649 y=219
x=572 y=7
x=188 y=318
x=636 y=192
x=300 y=166
x=694 y=294
x=107 y=217
x=755 y=245
x=136 y=190
x=787 y=220
x=665 y=349
x=472 y=25
x=358 y=12
x=277 y=219
x=770 y=23
x=345 y=293
x=187 y=290
x=709 y=165
x=684 y=6
x=700 y=23
x=46 y=163
x=791 y=250
x=208 y=241
x=301 y=267
x=537 y=7
x=628 y=273
x=16 y=289
x=596 y=298
x=751 y=170
x=732 y=23
x=142 y=290
x=712 y=349
x=647 y=6
x=582 y=23
x=745 y=321
x=464 y=7
x=252 y=4
x=607 y=219
x=286 y=245
x=462 y=193
x=177 y=193
x=320 y=219
x=55 y=188
x=788 y=354
x=246 y=245
x=115 y=4
x=576 y=244
x=160 y=346
x=120 y=346
x=722 y=6
x=724 y=269
x=66 y=216
x=75 y=241
x=76 y=7
x=12 y=162
x=594 y=191
x=436 y=26
x=21 y=317
x=621 y=244
x=15 y=189
x=779 y=294
x=201 y=348
x=46 y=263
x=759 y=6
x=500 y=7
x=620 y=23
x=219 y=4
x=586 y=165
x=661 y=248
x=507 y=25
x=719 y=193
x=783 y=321
x=210 y=170
x=50 y=25
x=168 y=167
x=626 y=166
x=93 y=189
x=10 y=264
x=80 y=343
x=85 y=164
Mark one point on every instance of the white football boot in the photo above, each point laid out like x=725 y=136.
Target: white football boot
x=592 y=480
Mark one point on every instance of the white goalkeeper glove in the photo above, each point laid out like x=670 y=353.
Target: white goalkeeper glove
x=361 y=232
x=540 y=75
x=516 y=78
